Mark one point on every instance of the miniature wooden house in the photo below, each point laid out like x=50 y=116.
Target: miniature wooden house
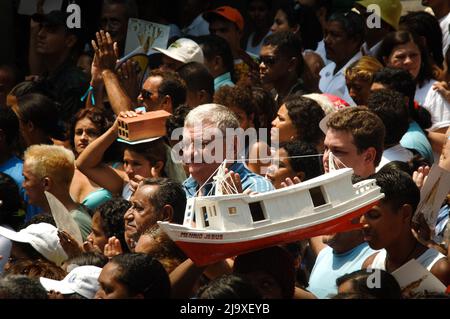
x=143 y=126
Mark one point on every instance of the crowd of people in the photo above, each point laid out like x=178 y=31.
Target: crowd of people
x=331 y=88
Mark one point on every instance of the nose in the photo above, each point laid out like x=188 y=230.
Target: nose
x=407 y=60
x=275 y=122
x=273 y=28
x=128 y=215
x=363 y=220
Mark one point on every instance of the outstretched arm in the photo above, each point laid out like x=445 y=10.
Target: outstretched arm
x=90 y=163
x=107 y=53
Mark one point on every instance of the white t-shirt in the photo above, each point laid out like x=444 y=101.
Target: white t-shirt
x=322 y=52
x=434 y=102
x=444 y=22
x=394 y=153
x=335 y=83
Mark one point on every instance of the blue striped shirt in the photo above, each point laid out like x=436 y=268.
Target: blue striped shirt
x=249 y=180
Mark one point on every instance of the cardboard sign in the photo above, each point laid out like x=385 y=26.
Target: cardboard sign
x=29 y=7
x=414 y=278
x=144 y=35
x=433 y=194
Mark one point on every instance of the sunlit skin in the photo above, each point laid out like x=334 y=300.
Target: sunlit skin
x=381 y=226
x=407 y=57
x=141 y=215
x=33 y=186
x=85 y=133
x=341 y=144
x=281 y=169
x=199 y=152
x=286 y=129
x=110 y=286
x=97 y=236
x=151 y=85
x=359 y=90
x=338 y=45
x=136 y=164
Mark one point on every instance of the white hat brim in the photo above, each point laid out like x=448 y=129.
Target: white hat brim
x=170 y=54
x=56 y=285
x=20 y=237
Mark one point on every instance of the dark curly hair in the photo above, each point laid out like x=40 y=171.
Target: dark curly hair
x=111 y=213
x=305 y=115
x=143 y=274
x=237 y=96
x=311 y=166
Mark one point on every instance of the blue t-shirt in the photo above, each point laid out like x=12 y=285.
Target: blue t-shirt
x=14 y=167
x=329 y=266
x=416 y=139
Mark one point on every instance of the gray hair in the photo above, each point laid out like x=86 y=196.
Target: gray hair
x=214 y=114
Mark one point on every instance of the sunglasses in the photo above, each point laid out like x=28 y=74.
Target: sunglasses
x=267 y=60
x=146 y=94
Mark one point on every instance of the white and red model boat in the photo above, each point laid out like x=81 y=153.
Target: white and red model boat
x=229 y=225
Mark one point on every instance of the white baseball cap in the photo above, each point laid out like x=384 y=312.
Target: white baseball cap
x=183 y=50
x=43 y=237
x=82 y=280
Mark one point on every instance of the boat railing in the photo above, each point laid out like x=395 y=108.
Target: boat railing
x=364 y=186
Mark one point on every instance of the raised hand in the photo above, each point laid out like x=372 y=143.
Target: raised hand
x=69 y=244
x=106 y=51
x=289 y=182
x=420 y=176
x=113 y=248
x=129 y=78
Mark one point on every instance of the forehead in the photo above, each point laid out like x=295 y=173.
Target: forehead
x=145 y=192
x=268 y=50
x=153 y=82
x=410 y=46
x=85 y=122
x=200 y=130
x=339 y=138
x=335 y=26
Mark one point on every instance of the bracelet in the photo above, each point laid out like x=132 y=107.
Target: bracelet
x=90 y=89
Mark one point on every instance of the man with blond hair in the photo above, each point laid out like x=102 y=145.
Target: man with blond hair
x=50 y=168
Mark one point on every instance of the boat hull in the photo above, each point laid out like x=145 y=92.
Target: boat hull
x=206 y=252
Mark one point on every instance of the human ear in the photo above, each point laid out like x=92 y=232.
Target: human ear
x=166 y=104
x=370 y=155
x=157 y=169
x=47 y=183
x=167 y=213
x=407 y=213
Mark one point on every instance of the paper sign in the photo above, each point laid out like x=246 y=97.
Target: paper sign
x=433 y=194
x=29 y=7
x=414 y=278
x=145 y=34
x=63 y=218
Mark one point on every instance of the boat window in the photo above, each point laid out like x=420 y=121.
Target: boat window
x=317 y=196
x=232 y=210
x=205 y=216
x=214 y=210
x=257 y=211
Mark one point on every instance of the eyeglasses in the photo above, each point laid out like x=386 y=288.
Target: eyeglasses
x=267 y=60
x=146 y=94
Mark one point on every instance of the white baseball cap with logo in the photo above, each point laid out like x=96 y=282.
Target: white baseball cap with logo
x=82 y=280
x=43 y=237
x=183 y=50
